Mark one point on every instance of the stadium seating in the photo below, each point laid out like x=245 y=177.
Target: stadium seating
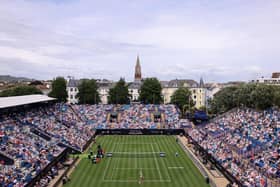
x=131 y=116
x=30 y=152
x=246 y=143
x=73 y=126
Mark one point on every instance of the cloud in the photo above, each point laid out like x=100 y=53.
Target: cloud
x=225 y=40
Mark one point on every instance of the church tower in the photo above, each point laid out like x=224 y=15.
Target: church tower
x=201 y=83
x=138 y=74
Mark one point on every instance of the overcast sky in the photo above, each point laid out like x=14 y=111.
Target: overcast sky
x=220 y=40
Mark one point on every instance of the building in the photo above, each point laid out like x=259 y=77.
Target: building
x=276 y=75
x=104 y=87
x=273 y=80
x=197 y=89
x=135 y=86
x=138 y=72
x=72 y=90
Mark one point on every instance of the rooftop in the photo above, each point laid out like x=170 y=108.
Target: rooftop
x=7 y=102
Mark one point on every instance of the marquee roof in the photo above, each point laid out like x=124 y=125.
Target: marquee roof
x=7 y=102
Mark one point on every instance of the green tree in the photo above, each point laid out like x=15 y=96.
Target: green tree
x=257 y=96
x=224 y=100
x=243 y=95
x=182 y=98
x=88 y=92
x=276 y=96
x=262 y=96
x=119 y=93
x=59 y=89
x=150 y=91
x=20 y=90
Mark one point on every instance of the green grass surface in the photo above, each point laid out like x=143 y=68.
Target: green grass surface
x=169 y=171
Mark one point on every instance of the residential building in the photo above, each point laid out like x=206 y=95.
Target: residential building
x=198 y=90
x=273 y=80
x=72 y=90
x=104 y=87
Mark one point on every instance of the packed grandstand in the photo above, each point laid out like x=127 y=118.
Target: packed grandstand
x=244 y=142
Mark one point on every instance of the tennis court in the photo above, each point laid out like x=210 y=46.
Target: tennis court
x=138 y=161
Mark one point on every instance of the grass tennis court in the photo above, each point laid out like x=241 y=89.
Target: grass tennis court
x=135 y=156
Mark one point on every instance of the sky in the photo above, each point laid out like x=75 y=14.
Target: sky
x=219 y=40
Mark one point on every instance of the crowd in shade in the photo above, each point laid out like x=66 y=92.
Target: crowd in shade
x=30 y=152
x=48 y=177
x=135 y=116
x=58 y=121
x=70 y=125
x=246 y=143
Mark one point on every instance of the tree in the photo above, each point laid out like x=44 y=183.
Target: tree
x=262 y=96
x=20 y=90
x=59 y=89
x=119 y=93
x=182 y=98
x=150 y=91
x=257 y=96
x=88 y=92
x=243 y=95
x=276 y=96
x=224 y=100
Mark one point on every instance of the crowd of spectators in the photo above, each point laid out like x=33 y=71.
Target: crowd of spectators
x=58 y=121
x=93 y=115
x=246 y=143
x=135 y=116
x=30 y=152
x=63 y=125
x=48 y=177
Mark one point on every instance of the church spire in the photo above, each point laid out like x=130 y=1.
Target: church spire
x=138 y=74
x=201 y=83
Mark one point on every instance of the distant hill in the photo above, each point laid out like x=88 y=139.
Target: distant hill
x=8 y=78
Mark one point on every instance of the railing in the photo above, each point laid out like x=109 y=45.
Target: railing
x=73 y=163
x=47 y=169
x=198 y=165
x=210 y=158
x=65 y=173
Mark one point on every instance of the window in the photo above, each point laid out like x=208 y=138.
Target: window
x=71 y=96
x=71 y=89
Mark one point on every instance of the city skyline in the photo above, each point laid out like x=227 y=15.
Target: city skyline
x=219 y=41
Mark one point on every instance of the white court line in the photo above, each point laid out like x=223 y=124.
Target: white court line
x=169 y=178
x=135 y=168
x=156 y=163
x=116 y=163
x=135 y=153
x=128 y=181
x=175 y=167
x=135 y=143
x=132 y=181
x=108 y=164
